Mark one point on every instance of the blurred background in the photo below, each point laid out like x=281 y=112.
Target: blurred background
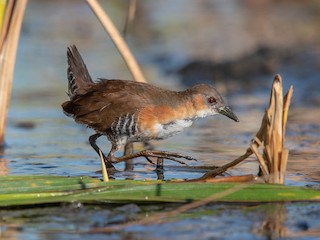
x=236 y=45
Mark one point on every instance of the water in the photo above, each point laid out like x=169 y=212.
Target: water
x=41 y=140
x=72 y=221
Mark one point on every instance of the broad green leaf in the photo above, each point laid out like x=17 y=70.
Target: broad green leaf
x=30 y=190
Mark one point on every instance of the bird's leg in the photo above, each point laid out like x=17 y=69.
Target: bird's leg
x=148 y=145
x=159 y=168
x=159 y=163
x=92 y=141
x=154 y=153
x=128 y=150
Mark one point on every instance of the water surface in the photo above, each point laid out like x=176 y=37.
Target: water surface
x=41 y=140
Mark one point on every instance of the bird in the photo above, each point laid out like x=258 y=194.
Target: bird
x=127 y=111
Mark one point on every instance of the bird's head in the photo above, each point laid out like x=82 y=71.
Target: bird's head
x=210 y=101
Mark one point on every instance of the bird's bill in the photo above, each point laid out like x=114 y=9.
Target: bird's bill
x=228 y=112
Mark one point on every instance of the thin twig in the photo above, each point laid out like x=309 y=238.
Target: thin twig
x=259 y=136
x=262 y=163
x=236 y=179
x=117 y=40
x=224 y=168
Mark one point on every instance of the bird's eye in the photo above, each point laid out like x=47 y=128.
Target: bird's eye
x=212 y=100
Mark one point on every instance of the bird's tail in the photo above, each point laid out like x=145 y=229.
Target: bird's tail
x=79 y=79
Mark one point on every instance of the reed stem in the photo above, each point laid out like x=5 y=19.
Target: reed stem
x=10 y=36
x=117 y=40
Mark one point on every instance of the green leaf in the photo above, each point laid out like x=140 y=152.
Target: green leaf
x=30 y=190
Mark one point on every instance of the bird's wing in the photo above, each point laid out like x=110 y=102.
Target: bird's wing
x=109 y=100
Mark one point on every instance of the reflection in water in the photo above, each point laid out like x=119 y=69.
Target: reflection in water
x=273 y=224
x=213 y=221
x=288 y=221
x=9 y=231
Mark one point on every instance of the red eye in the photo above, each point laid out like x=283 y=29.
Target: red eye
x=212 y=100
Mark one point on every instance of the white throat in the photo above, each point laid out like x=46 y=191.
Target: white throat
x=172 y=128
x=205 y=113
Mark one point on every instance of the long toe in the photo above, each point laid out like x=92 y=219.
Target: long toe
x=169 y=155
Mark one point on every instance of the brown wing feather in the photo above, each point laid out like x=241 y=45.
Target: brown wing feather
x=108 y=100
x=79 y=79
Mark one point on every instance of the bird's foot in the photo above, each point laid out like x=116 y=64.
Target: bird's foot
x=154 y=153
